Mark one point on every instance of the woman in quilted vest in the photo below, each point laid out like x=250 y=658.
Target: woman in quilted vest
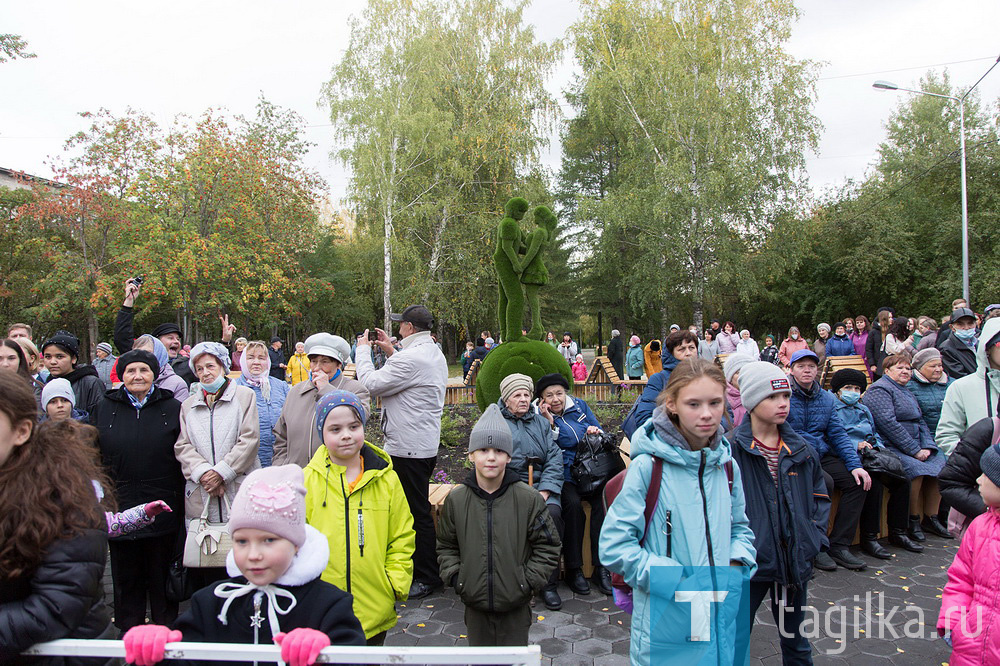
x=217 y=447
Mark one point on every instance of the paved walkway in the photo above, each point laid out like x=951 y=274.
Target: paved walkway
x=591 y=630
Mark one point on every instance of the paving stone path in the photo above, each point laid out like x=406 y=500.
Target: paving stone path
x=590 y=630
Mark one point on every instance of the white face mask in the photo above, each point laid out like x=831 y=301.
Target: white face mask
x=795 y=336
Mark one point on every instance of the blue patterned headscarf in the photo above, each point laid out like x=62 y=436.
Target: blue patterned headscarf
x=337 y=399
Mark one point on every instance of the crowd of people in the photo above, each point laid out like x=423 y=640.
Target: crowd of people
x=255 y=490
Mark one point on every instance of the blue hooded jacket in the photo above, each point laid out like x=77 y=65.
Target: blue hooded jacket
x=813 y=417
x=839 y=345
x=709 y=527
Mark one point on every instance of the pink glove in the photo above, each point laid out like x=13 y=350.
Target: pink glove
x=144 y=645
x=154 y=508
x=300 y=647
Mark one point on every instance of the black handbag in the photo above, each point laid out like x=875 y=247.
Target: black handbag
x=598 y=458
x=178 y=585
x=877 y=460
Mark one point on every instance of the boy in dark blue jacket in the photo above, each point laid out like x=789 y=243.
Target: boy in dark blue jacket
x=813 y=417
x=787 y=505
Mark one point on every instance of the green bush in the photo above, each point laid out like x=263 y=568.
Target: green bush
x=530 y=357
x=452 y=430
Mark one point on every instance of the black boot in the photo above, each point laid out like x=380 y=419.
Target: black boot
x=899 y=539
x=915 y=532
x=871 y=546
x=577 y=581
x=846 y=559
x=933 y=525
x=602 y=579
x=550 y=597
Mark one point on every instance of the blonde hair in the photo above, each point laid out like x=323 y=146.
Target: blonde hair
x=30 y=351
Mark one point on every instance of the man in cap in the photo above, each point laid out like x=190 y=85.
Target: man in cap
x=168 y=333
x=812 y=415
x=295 y=435
x=277 y=358
x=60 y=353
x=958 y=351
x=411 y=385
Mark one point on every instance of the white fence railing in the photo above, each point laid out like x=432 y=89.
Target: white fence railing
x=529 y=655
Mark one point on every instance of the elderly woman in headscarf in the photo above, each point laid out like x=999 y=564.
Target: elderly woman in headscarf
x=747 y=345
x=537 y=451
x=217 y=446
x=167 y=379
x=270 y=391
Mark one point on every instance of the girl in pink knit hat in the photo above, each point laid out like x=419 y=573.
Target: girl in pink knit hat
x=275 y=594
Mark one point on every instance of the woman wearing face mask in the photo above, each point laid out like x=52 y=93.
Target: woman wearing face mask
x=217 y=446
x=790 y=345
x=270 y=392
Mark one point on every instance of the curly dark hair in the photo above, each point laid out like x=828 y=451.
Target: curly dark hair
x=46 y=484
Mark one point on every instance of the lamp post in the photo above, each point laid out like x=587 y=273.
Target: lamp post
x=887 y=85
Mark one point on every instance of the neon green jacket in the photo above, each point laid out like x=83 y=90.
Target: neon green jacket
x=370 y=531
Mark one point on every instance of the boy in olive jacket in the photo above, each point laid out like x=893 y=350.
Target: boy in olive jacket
x=496 y=542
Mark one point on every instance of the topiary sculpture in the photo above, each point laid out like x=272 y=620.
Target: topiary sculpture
x=517 y=353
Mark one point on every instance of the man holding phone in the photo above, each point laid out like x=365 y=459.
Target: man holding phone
x=411 y=385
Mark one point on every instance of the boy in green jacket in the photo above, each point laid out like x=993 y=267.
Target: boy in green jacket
x=496 y=542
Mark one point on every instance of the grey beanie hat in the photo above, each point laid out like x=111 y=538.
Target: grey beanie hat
x=514 y=382
x=990 y=463
x=104 y=347
x=491 y=432
x=759 y=380
x=57 y=387
x=734 y=364
x=925 y=356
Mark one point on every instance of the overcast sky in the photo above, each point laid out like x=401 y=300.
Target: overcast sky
x=188 y=55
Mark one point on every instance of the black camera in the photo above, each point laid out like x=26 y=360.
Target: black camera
x=373 y=336
x=137 y=280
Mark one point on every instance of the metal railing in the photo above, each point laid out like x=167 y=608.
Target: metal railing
x=528 y=655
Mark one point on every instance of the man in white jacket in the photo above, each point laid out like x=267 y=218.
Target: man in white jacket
x=411 y=385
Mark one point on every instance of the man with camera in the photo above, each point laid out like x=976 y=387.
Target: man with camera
x=168 y=333
x=411 y=385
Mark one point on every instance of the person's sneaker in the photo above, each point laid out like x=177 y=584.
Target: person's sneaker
x=419 y=590
x=846 y=559
x=550 y=597
x=824 y=562
x=602 y=579
x=577 y=581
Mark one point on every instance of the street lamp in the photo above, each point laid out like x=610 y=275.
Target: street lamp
x=888 y=85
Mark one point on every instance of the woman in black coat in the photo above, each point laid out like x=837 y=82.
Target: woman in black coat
x=53 y=533
x=138 y=425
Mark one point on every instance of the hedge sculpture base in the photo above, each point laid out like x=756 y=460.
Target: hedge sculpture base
x=530 y=357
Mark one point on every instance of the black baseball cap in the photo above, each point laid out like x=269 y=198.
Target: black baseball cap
x=960 y=313
x=417 y=315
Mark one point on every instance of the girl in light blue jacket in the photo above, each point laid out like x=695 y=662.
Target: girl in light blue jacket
x=698 y=540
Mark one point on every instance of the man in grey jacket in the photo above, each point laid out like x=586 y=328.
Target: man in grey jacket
x=411 y=385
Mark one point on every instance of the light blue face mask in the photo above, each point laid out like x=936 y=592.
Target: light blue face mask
x=215 y=385
x=965 y=333
x=850 y=397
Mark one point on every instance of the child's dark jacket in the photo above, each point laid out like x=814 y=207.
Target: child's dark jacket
x=788 y=518
x=496 y=548
x=318 y=605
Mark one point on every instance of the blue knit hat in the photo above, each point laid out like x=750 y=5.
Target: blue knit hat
x=990 y=463
x=337 y=399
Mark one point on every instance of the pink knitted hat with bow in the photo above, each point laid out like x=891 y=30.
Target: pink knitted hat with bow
x=272 y=499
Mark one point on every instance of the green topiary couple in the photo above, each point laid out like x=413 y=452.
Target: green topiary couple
x=518 y=261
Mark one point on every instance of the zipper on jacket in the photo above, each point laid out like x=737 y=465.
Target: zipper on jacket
x=255 y=619
x=489 y=553
x=704 y=507
x=347 y=531
x=211 y=439
x=361 y=523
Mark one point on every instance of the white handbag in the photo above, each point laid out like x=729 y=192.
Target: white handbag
x=207 y=544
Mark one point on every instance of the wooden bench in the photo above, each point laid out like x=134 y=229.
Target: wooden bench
x=835 y=363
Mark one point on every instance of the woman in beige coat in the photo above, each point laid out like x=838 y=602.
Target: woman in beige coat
x=217 y=446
